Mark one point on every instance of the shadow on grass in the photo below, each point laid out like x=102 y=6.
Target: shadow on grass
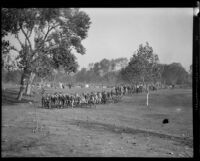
x=9 y=97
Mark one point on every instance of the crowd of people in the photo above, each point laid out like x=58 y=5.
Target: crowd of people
x=61 y=100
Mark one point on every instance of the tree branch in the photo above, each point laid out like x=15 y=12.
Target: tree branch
x=27 y=38
x=30 y=32
x=27 y=33
x=13 y=48
x=44 y=40
x=17 y=37
x=45 y=51
x=49 y=29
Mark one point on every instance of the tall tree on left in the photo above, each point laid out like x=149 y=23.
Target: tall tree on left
x=48 y=39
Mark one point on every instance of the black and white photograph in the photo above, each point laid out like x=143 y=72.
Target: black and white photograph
x=97 y=82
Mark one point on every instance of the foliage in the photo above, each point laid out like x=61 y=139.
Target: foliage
x=50 y=37
x=143 y=66
x=111 y=77
x=174 y=73
x=103 y=71
x=105 y=65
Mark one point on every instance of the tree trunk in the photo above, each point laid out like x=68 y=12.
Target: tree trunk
x=29 y=84
x=22 y=88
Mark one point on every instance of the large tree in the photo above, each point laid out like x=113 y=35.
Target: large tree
x=117 y=64
x=105 y=66
x=174 y=73
x=48 y=38
x=82 y=75
x=143 y=67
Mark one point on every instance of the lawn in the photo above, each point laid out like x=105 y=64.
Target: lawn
x=124 y=129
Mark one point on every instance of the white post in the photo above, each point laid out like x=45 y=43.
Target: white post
x=147 y=95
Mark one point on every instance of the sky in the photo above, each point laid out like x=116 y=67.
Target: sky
x=118 y=32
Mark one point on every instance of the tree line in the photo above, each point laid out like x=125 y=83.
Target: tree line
x=112 y=72
x=144 y=66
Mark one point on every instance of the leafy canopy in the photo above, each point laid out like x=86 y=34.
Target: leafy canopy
x=174 y=73
x=143 y=66
x=48 y=37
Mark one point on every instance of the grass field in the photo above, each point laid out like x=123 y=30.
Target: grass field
x=125 y=129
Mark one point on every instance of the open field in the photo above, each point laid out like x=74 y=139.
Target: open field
x=124 y=129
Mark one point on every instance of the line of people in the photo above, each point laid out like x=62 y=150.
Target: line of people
x=60 y=100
